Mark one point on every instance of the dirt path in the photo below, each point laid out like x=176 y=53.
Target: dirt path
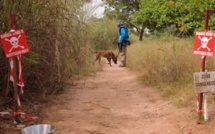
x=113 y=102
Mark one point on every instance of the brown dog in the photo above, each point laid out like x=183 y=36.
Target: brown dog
x=105 y=54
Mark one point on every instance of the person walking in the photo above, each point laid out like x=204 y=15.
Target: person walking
x=123 y=42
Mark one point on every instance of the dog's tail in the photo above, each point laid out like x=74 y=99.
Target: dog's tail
x=92 y=51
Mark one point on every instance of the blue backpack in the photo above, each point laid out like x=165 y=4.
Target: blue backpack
x=125 y=37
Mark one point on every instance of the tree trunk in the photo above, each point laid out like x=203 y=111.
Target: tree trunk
x=141 y=34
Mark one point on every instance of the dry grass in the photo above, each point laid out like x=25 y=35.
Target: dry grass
x=168 y=64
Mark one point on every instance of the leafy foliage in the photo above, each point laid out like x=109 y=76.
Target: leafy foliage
x=122 y=9
x=181 y=16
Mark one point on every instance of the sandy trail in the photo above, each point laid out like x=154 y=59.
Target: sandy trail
x=113 y=102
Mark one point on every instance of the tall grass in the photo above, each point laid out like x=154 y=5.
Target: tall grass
x=103 y=34
x=167 y=63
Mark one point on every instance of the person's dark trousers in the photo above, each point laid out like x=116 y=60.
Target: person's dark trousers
x=120 y=47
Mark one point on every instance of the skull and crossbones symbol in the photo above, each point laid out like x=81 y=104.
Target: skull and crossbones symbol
x=204 y=43
x=14 y=41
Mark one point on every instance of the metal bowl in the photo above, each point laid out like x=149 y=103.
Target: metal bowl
x=39 y=129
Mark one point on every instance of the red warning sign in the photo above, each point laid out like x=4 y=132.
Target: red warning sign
x=204 y=43
x=14 y=43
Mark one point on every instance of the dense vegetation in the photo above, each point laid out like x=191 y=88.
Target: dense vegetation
x=59 y=34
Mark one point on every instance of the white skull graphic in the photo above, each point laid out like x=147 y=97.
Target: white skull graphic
x=14 y=42
x=204 y=42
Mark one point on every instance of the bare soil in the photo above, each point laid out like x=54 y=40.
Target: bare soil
x=113 y=102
